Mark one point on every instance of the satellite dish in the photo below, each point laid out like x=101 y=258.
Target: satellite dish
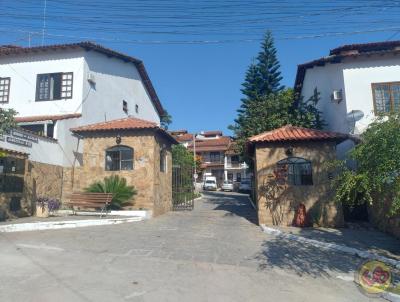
x=355 y=115
x=352 y=117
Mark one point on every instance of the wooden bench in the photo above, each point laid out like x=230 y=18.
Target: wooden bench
x=90 y=200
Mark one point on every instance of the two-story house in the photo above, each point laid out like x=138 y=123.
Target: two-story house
x=57 y=87
x=356 y=83
x=217 y=154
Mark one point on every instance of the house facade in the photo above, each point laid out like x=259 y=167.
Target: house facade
x=59 y=91
x=57 y=87
x=290 y=174
x=218 y=155
x=356 y=83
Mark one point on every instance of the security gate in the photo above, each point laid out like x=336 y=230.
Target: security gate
x=182 y=188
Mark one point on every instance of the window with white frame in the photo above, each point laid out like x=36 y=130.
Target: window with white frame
x=54 y=86
x=5 y=90
x=163 y=161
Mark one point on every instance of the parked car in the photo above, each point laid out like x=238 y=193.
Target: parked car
x=210 y=185
x=245 y=186
x=227 y=186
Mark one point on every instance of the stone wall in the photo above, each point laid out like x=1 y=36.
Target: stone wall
x=278 y=203
x=154 y=191
x=378 y=215
x=39 y=180
x=162 y=180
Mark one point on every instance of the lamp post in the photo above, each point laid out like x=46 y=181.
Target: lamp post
x=194 y=157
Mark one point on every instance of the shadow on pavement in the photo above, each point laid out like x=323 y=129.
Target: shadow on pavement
x=303 y=259
x=233 y=203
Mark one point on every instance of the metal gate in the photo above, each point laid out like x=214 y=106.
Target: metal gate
x=182 y=188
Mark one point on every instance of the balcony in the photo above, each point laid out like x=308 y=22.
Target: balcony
x=235 y=165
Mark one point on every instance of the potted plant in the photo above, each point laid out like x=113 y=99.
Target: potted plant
x=45 y=206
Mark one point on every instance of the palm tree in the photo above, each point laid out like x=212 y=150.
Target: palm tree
x=122 y=193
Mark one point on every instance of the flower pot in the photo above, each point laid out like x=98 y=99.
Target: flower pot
x=42 y=211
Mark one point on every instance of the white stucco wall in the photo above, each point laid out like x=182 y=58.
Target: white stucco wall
x=44 y=151
x=23 y=71
x=116 y=81
x=354 y=77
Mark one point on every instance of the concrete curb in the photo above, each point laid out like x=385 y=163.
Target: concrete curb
x=331 y=246
x=69 y=224
x=146 y=214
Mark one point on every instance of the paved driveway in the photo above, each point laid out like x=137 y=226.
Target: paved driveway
x=214 y=253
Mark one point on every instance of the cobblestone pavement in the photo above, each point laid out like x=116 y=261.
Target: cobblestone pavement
x=214 y=253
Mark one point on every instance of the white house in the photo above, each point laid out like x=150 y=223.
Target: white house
x=356 y=82
x=57 y=87
x=217 y=153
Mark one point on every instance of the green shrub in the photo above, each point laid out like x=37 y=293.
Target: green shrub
x=122 y=193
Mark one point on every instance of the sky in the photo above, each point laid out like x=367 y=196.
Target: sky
x=197 y=52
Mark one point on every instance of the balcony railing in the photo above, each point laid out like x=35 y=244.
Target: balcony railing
x=235 y=165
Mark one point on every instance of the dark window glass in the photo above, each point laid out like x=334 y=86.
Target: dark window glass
x=238 y=177
x=235 y=159
x=54 y=86
x=297 y=171
x=119 y=158
x=125 y=106
x=214 y=157
x=163 y=161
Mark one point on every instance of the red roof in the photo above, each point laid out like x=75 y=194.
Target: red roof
x=184 y=137
x=129 y=123
x=292 y=133
x=8 y=50
x=121 y=124
x=39 y=118
x=217 y=144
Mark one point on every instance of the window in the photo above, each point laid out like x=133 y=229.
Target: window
x=137 y=108
x=230 y=176
x=163 y=161
x=4 y=90
x=125 y=106
x=386 y=97
x=235 y=158
x=214 y=157
x=238 y=177
x=295 y=170
x=119 y=158
x=54 y=86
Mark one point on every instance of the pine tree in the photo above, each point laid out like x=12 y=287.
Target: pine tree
x=268 y=67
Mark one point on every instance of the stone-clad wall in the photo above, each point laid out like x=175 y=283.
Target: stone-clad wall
x=277 y=204
x=162 y=180
x=153 y=187
x=39 y=180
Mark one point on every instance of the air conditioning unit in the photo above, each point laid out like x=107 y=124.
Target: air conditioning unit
x=91 y=78
x=337 y=96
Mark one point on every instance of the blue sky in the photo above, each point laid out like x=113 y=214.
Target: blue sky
x=197 y=52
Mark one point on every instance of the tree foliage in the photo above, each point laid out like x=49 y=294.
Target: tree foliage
x=7 y=119
x=166 y=120
x=122 y=193
x=266 y=105
x=183 y=157
x=376 y=180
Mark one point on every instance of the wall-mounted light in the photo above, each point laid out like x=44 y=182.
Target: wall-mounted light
x=118 y=139
x=289 y=151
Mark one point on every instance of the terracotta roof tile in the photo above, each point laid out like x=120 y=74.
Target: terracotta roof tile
x=38 y=118
x=217 y=144
x=121 y=124
x=292 y=133
x=129 y=123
